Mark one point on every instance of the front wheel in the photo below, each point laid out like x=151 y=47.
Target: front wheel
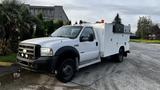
x=66 y=71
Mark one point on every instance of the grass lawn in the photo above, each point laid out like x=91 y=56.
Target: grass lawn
x=145 y=41
x=8 y=58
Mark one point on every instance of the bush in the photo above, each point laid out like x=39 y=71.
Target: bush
x=4 y=47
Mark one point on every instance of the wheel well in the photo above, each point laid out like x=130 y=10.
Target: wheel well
x=122 y=47
x=68 y=54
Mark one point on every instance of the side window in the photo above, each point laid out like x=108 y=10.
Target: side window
x=87 y=34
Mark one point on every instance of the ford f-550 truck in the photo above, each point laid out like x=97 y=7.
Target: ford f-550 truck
x=72 y=47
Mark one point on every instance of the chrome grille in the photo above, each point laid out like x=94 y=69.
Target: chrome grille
x=29 y=51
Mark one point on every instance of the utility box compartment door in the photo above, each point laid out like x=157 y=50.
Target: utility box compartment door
x=110 y=42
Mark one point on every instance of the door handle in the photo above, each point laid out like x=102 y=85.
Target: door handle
x=76 y=45
x=81 y=52
x=96 y=43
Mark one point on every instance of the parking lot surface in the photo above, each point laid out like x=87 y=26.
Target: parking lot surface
x=139 y=71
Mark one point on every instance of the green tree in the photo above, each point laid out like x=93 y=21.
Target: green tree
x=144 y=26
x=40 y=28
x=50 y=27
x=58 y=23
x=69 y=23
x=15 y=16
x=156 y=31
x=26 y=23
x=14 y=19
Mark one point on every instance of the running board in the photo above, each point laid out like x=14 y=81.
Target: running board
x=90 y=62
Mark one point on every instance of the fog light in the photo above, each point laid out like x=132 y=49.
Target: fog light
x=22 y=54
x=26 y=56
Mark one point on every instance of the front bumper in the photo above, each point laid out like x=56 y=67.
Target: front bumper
x=40 y=64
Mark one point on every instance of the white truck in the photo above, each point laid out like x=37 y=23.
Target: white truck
x=72 y=47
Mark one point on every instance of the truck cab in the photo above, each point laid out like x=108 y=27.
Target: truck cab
x=72 y=47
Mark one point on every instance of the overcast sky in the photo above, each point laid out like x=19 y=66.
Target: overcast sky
x=94 y=10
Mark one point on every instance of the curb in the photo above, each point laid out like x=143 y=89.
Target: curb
x=5 y=64
x=6 y=68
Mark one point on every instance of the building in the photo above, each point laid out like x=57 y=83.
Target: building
x=49 y=12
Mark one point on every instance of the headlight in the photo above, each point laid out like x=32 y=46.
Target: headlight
x=46 y=52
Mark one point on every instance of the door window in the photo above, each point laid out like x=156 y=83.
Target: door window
x=87 y=34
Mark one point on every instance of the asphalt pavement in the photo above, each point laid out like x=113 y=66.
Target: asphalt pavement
x=139 y=71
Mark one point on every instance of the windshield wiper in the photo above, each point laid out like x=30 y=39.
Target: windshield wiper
x=61 y=36
x=64 y=37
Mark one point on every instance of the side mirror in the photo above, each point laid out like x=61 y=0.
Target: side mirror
x=86 y=38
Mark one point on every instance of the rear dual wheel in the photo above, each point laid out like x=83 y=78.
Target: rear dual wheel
x=120 y=55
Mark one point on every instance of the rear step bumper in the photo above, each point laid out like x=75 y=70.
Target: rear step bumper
x=128 y=51
x=125 y=53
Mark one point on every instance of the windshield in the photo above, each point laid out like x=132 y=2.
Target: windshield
x=67 y=32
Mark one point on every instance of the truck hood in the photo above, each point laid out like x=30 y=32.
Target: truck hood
x=45 y=40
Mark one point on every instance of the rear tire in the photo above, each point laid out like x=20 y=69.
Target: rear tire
x=120 y=55
x=66 y=71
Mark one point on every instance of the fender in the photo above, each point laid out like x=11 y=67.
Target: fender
x=67 y=49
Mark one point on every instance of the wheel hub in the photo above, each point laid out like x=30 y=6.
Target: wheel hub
x=67 y=71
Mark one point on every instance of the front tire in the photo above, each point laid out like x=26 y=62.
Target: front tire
x=66 y=71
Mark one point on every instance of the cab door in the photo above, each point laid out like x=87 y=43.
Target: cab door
x=88 y=46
